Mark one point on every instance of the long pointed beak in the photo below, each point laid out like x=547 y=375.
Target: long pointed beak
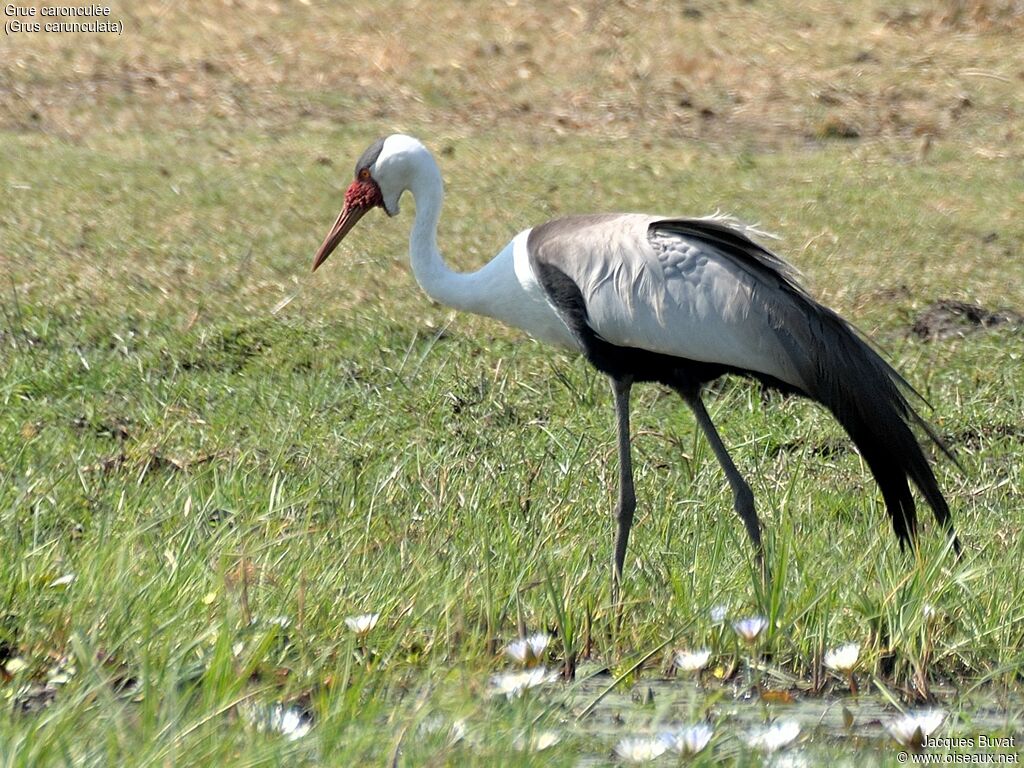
x=346 y=220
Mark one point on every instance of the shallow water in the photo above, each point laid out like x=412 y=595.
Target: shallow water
x=839 y=729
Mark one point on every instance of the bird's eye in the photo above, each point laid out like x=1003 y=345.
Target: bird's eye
x=364 y=174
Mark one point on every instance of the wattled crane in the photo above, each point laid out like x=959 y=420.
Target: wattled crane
x=670 y=300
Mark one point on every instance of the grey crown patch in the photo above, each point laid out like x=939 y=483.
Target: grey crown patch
x=369 y=157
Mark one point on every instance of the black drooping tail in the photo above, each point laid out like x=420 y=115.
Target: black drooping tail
x=840 y=370
x=866 y=395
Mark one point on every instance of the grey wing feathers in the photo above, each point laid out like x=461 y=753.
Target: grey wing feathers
x=729 y=236
x=842 y=349
x=724 y=235
x=598 y=249
x=713 y=294
x=695 y=288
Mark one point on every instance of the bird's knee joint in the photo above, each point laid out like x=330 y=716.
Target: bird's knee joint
x=626 y=508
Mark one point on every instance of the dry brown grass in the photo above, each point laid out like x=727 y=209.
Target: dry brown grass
x=981 y=14
x=753 y=73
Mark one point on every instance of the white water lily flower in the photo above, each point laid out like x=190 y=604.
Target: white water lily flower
x=363 y=623
x=290 y=722
x=749 y=629
x=528 y=650
x=512 y=684
x=61 y=674
x=692 y=661
x=774 y=737
x=538 y=742
x=640 y=749
x=457 y=732
x=913 y=728
x=844 y=658
x=689 y=740
x=436 y=722
x=718 y=614
x=15 y=665
x=792 y=760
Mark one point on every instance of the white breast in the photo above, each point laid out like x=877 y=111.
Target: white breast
x=515 y=297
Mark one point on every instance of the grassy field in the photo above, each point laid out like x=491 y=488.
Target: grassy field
x=210 y=458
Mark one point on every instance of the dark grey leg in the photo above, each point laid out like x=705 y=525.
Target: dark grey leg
x=743 y=497
x=627 y=495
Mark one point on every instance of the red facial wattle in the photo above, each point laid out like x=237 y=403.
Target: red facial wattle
x=361 y=196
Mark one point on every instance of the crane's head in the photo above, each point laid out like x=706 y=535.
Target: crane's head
x=383 y=172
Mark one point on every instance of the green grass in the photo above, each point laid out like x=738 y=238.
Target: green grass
x=209 y=438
